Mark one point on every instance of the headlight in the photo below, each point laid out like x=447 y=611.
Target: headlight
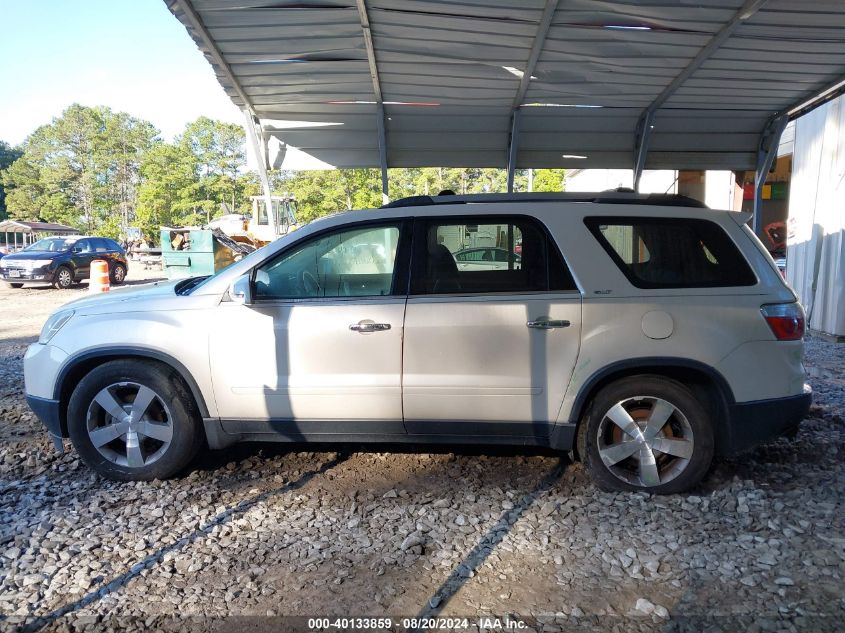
x=53 y=325
x=38 y=263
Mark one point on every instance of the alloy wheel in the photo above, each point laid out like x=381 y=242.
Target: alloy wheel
x=645 y=441
x=65 y=278
x=129 y=424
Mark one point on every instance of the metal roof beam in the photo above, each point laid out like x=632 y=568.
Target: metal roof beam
x=766 y=153
x=745 y=12
x=382 y=156
x=252 y=124
x=368 y=43
x=645 y=123
x=258 y=141
x=193 y=18
x=828 y=93
x=643 y=138
x=371 y=60
x=536 y=48
x=513 y=147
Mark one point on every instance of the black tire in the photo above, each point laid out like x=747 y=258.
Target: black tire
x=118 y=274
x=14 y=285
x=688 y=421
x=179 y=407
x=63 y=279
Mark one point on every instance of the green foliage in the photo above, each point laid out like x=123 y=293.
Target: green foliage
x=219 y=151
x=80 y=169
x=320 y=193
x=8 y=155
x=549 y=180
x=102 y=171
x=168 y=181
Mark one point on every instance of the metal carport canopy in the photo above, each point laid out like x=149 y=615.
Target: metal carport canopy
x=532 y=83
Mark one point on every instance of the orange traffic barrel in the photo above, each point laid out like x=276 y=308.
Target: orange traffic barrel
x=99 y=281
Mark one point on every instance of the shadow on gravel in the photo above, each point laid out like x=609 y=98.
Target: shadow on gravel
x=209 y=460
x=487 y=544
x=156 y=557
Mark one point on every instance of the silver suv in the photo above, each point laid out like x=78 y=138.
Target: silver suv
x=645 y=333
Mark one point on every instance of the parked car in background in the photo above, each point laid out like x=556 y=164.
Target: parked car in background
x=485 y=258
x=61 y=261
x=646 y=333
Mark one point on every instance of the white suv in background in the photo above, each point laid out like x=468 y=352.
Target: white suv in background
x=645 y=333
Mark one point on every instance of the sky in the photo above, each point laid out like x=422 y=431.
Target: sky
x=130 y=55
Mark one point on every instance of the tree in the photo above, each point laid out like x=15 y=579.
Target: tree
x=319 y=193
x=127 y=141
x=220 y=152
x=8 y=155
x=168 y=180
x=81 y=170
x=549 y=179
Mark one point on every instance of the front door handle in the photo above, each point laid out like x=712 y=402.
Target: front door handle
x=366 y=326
x=545 y=323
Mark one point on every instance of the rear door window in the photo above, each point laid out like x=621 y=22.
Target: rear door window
x=486 y=254
x=100 y=245
x=672 y=252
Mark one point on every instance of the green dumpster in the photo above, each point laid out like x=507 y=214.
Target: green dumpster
x=192 y=253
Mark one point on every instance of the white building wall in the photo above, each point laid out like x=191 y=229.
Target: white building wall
x=719 y=185
x=816 y=226
x=719 y=189
x=657 y=181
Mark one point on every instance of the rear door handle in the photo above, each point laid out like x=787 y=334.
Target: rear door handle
x=366 y=326
x=545 y=323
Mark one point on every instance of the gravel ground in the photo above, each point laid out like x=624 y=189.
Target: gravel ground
x=255 y=533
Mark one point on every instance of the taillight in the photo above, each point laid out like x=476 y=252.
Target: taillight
x=785 y=319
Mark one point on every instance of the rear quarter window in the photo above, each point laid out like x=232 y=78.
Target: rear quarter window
x=672 y=252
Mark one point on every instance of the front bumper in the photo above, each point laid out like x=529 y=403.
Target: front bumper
x=753 y=423
x=48 y=412
x=19 y=275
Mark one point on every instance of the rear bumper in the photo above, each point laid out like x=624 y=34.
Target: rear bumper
x=753 y=423
x=48 y=412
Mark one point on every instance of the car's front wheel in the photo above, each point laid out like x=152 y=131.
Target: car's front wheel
x=647 y=433
x=63 y=278
x=134 y=420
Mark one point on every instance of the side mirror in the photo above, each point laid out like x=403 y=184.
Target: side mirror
x=241 y=291
x=77 y=249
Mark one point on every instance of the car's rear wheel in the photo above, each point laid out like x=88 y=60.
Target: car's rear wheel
x=134 y=420
x=118 y=274
x=14 y=285
x=63 y=279
x=647 y=433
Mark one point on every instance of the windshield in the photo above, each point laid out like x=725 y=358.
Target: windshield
x=52 y=245
x=189 y=288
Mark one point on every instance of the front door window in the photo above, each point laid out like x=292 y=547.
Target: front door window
x=356 y=262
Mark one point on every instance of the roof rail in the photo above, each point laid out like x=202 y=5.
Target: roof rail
x=614 y=196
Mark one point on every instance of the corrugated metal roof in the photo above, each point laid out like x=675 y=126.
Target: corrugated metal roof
x=712 y=73
x=21 y=226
